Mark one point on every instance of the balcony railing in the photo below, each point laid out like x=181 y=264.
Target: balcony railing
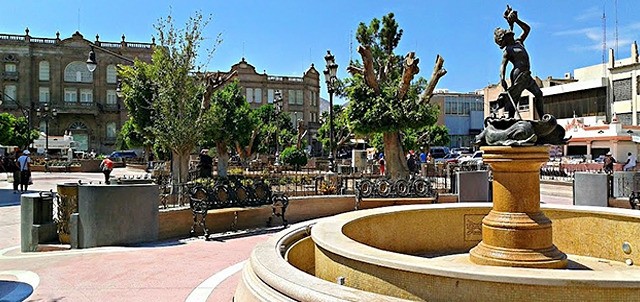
x=10 y=75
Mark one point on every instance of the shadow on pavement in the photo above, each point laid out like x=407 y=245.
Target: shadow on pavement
x=8 y=198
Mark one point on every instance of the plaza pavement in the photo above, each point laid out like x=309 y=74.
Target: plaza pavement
x=187 y=269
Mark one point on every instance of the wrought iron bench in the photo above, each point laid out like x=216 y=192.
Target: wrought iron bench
x=382 y=189
x=235 y=194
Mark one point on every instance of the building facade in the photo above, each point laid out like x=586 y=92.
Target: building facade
x=462 y=114
x=300 y=95
x=599 y=106
x=35 y=72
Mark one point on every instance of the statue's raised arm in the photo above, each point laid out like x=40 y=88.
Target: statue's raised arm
x=512 y=17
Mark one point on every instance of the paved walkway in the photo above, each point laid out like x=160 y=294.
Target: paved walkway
x=188 y=269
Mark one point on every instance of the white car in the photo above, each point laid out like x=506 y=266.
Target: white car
x=476 y=159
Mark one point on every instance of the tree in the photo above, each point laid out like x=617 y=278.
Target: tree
x=272 y=125
x=176 y=103
x=342 y=133
x=139 y=91
x=383 y=96
x=228 y=122
x=15 y=131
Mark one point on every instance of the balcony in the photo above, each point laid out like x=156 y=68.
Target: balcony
x=10 y=75
x=78 y=108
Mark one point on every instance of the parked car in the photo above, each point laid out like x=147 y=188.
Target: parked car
x=124 y=154
x=450 y=158
x=439 y=152
x=476 y=158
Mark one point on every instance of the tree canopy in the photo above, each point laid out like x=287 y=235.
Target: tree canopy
x=383 y=96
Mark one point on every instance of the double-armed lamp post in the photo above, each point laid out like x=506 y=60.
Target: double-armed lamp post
x=277 y=104
x=330 y=73
x=46 y=113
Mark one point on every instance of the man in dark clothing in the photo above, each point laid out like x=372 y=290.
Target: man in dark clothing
x=607 y=165
x=206 y=164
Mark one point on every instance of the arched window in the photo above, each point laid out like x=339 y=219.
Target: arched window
x=43 y=73
x=111 y=74
x=111 y=130
x=77 y=72
x=77 y=126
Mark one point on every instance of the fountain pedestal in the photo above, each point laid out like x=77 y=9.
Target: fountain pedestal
x=516 y=233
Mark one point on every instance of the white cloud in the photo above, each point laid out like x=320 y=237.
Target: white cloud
x=591 y=13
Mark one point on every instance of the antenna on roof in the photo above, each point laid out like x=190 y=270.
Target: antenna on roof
x=604 y=41
x=616 y=4
x=350 y=46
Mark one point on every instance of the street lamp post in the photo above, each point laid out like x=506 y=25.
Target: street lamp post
x=330 y=78
x=277 y=102
x=47 y=114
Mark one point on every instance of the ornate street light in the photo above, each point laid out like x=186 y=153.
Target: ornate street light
x=330 y=73
x=277 y=102
x=47 y=114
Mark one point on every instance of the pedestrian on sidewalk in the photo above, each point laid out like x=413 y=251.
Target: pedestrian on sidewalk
x=106 y=166
x=24 y=163
x=11 y=166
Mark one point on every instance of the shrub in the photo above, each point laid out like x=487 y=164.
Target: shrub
x=293 y=156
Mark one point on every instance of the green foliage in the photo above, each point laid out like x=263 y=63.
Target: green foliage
x=229 y=118
x=139 y=92
x=15 y=131
x=439 y=135
x=293 y=156
x=271 y=125
x=129 y=136
x=370 y=112
x=342 y=132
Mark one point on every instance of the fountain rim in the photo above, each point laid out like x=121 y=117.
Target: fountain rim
x=327 y=234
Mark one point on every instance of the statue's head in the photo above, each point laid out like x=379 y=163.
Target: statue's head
x=502 y=37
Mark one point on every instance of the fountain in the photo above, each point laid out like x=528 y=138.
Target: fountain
x=506 y=251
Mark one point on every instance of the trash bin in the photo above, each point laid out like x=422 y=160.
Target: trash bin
x=67 y=205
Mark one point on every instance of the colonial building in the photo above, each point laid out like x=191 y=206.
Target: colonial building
x=462 y=114
x=35 y=72
x=599 y=106
x=300 y=95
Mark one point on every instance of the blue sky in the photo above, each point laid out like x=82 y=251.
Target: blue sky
x=285 y=37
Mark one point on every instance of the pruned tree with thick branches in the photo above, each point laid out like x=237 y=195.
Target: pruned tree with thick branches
x=384 y=98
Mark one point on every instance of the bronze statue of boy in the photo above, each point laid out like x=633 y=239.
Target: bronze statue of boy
x=515 y=53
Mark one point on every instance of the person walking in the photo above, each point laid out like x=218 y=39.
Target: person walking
x=630 y=164
x=106 y=166
x=11 y=166
x=24 y=165
x=608 y=162
x=381 y=162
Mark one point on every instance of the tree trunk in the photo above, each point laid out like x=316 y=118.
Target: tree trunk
x=180 y=172
x=396 y=162
x=223 y=159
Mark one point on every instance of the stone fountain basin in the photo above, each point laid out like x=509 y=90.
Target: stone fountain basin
x=420 y=252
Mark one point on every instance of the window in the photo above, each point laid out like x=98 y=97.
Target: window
x=10 y=67
x=111 y=74
x=314 y=98
x=295 y=116
x=250 y=95
x=292 y=96
x=112 y=97
x=70 y=95
x=77 y=72
x=44 y=94
x=10 y=92
x=296 y=97
x=622 y=90
x=86 y=96
x=43 y=71
x=270 y=96
x=111 y=130
x=299 y=97
x=313 y=117
x=43 y=126
x=257 y=95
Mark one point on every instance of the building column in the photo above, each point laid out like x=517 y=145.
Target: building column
x=634 y=97
x=589 y=148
